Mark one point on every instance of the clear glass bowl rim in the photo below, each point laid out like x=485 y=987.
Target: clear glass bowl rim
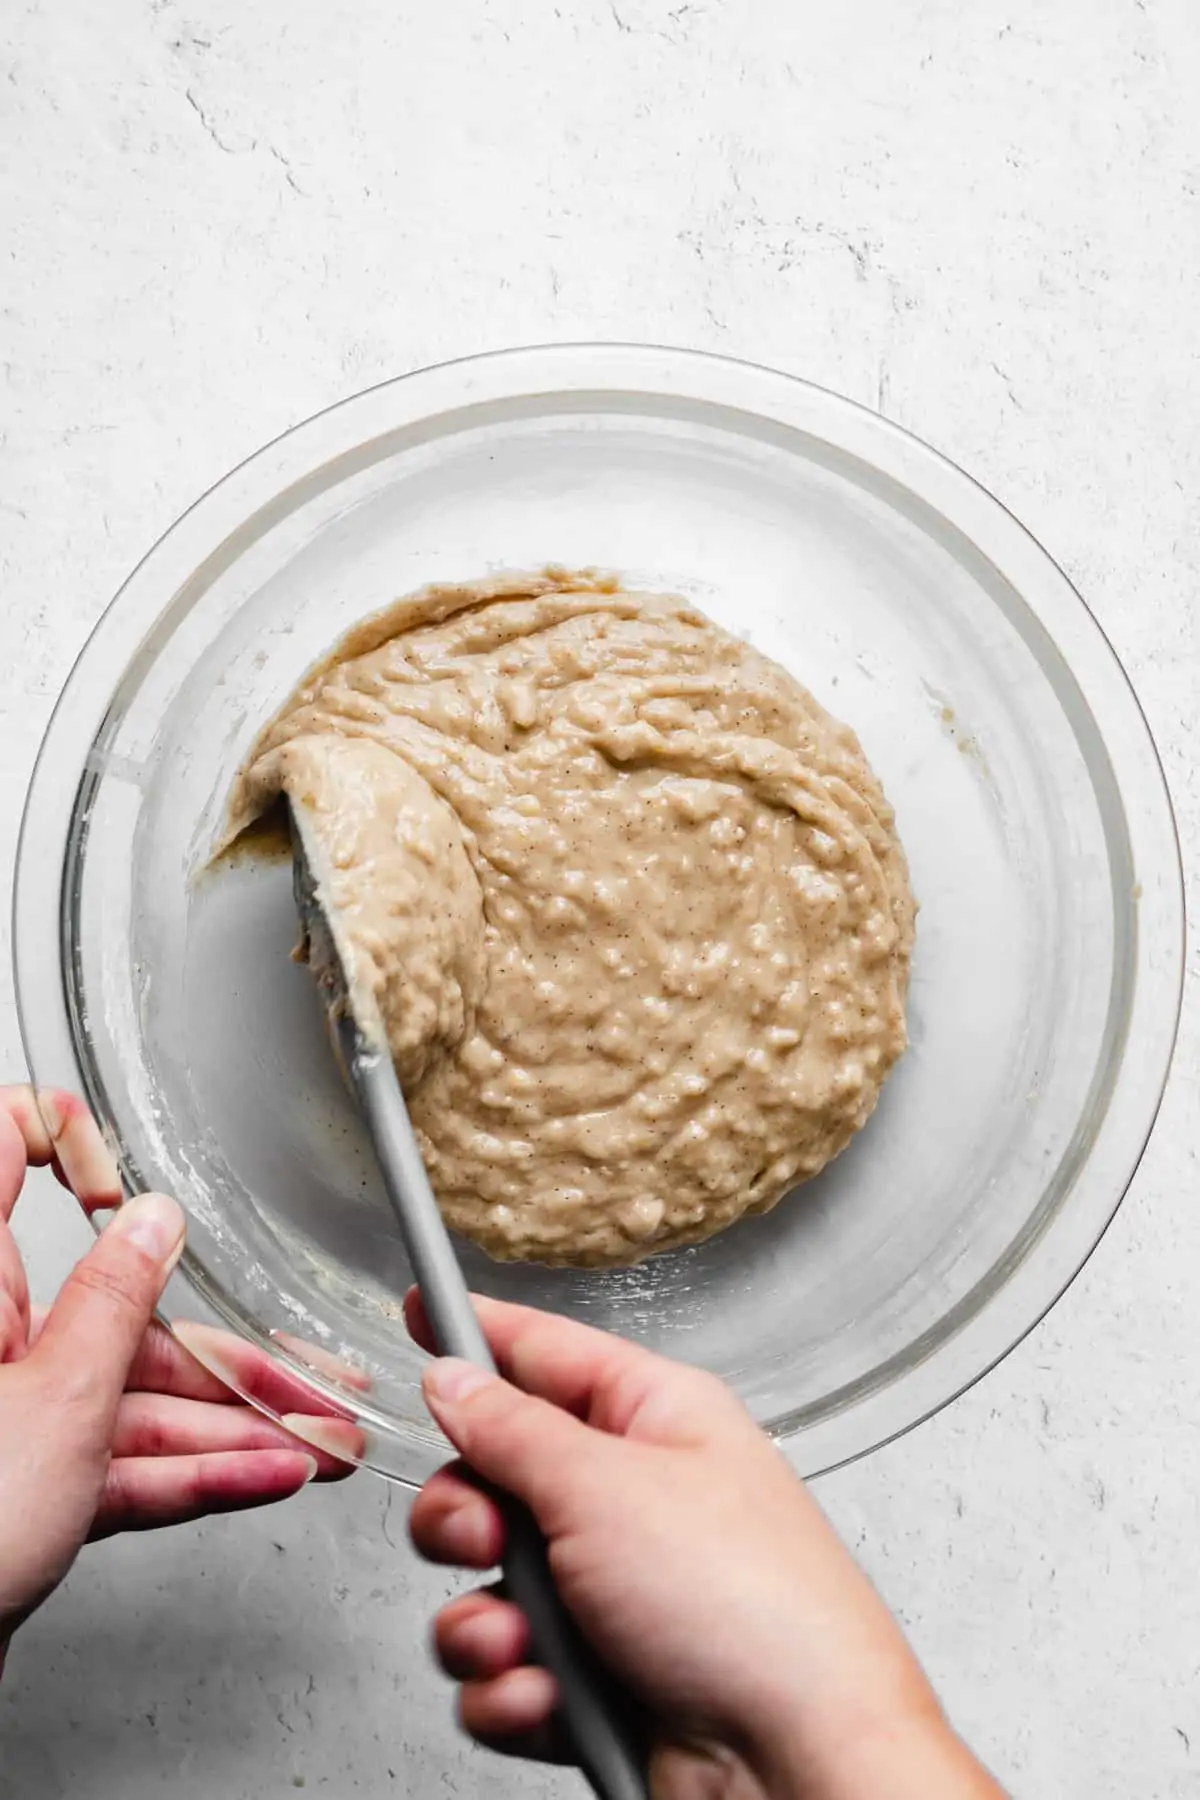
x=271 y=481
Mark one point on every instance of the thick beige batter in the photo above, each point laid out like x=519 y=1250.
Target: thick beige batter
x=631 y=903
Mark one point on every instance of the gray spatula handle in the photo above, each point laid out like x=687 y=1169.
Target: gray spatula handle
x=598 y=1717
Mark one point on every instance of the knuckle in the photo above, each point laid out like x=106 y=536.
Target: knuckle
x=118 y=1285
x=157 y=1360
x=425 y=1523
x=116 y=1492
x=196 y=1488
x=152 y=1436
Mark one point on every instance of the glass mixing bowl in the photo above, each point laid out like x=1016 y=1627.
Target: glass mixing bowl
x=1028 y=794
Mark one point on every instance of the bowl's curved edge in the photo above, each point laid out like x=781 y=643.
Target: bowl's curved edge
x=815 y=1449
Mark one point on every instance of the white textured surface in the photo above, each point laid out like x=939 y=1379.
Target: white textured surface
x=985 y=221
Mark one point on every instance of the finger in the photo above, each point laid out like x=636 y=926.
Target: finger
x=522 y=1444
x=162 y=1365
x=89 y=1341
x=453 y=1522
x=162 y=1425
x=250 y=1372
x=60 y=1130
x=339 y=1440
x=322 y=1363
x=21 y=1105
x=480 y=1637
x=22 y=1108
x=142 y=1492
x=253 y=1373
x=14 y=1289
x=513 y=1713
x=14 y=1159
x=616 y=1386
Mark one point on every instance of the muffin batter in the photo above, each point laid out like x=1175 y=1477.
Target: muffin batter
x=630 y=903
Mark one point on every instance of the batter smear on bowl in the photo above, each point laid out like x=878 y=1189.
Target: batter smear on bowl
x=631 y=904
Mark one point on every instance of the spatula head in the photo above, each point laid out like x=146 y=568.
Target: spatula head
x=321 y=947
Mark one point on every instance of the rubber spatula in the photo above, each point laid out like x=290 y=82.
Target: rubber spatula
x=596 y=1715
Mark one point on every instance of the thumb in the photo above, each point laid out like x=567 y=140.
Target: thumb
x=94 y=1328
x=519 y=1443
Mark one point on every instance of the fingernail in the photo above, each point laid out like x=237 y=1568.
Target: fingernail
x=155 y=1224
x=310 y=1469
x=450 y=1379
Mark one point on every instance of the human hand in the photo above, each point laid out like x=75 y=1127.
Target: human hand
x=693 y=1559
x=106 y=1423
